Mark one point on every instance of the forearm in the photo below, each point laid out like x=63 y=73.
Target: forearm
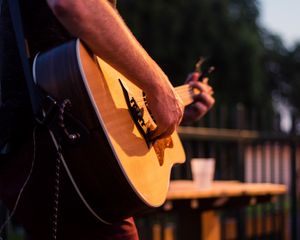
x=103 y=30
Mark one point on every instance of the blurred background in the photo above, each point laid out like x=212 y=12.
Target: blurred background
x=254 y=45
x=255 y=48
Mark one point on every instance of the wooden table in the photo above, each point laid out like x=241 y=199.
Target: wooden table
x=189 y=201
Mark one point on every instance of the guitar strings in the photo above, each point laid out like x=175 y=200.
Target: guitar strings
x=182 y=93
x=183 y=97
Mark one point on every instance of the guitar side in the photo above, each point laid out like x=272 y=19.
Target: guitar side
x=114 y=162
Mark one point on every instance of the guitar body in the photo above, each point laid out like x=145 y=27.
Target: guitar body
x=117 y=170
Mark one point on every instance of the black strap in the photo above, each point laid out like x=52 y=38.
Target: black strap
x=34 y=94
x=54 y=115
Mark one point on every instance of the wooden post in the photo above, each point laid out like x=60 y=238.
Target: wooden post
x=211 y=226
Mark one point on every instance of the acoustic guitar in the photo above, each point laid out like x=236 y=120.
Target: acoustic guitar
x=115 y=168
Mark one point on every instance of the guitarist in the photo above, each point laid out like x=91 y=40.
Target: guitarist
x=27 y=158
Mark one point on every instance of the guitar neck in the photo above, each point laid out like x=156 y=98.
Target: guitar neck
x=186 y=93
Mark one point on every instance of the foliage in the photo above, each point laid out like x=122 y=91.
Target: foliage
x=177 y=32
x=293 y=77
x=283 y=70
x=251 y=64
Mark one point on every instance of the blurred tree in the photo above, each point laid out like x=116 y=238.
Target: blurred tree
x=252 y=65
x=293 y=75
x=177 y=32
x=282 y=68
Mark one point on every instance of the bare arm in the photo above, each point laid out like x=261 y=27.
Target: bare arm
x=103 y=30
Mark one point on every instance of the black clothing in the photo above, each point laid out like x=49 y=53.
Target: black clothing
x=35 y=208
x=15 y=116
x=43 y=31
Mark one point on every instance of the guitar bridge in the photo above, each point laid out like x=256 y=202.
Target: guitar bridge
x=137 y=114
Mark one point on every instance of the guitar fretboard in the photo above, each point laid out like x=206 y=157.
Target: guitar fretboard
x=186 y=92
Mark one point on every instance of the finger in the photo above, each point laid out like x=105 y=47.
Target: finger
x=195 y=111
x=205 y=80
x=193 y=77
x=160 y=132
x=205 y=99
x=200 y=109
x=201 y=87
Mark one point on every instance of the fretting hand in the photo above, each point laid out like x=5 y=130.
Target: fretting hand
x=203 y=101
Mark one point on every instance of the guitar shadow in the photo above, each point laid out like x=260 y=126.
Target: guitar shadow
x=119 y=125
x=128 y=141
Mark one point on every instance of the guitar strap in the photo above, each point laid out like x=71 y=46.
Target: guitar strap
x=34 y=93
x=48 y=112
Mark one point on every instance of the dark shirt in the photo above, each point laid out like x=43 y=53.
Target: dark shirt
x=35 y=209
x=43 y=31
